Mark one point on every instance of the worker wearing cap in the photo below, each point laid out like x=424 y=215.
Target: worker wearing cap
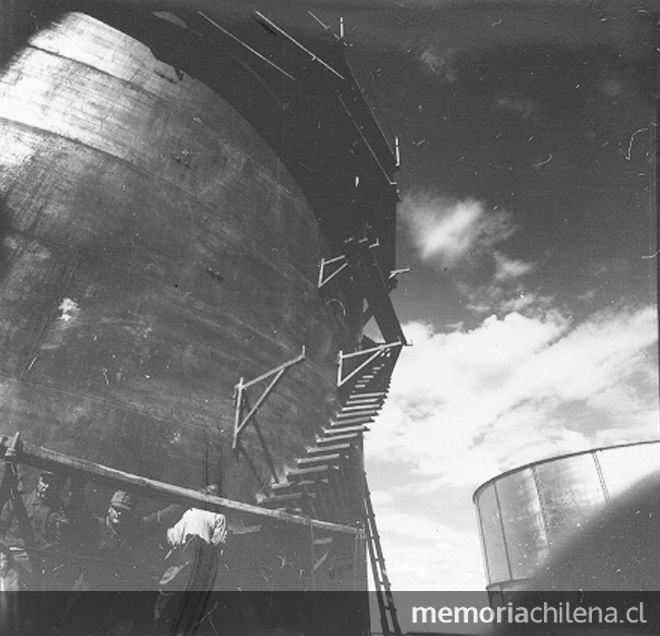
x=196 y=544
x=34 y=560
x=117 y=549
x=116 y=557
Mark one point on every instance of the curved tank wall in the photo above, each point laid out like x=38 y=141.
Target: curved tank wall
x=152 y=251
x=529 y=514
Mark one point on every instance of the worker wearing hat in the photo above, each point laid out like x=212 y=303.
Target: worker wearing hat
x=120 y=511
x=119 y=543
x=35 y=558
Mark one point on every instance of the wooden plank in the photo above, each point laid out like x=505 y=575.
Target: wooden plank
x=328 y=458
x=366 y=407
x=46 y=459
x=301 y=473
x=344 y=449
x=358 y=400
x=375 y=394
x=344 y=430
x=334 y=439
x=351 y=421
x=354 y=414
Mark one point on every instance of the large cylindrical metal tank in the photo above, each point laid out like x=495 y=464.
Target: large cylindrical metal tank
x=153 y=250
x=530 y=514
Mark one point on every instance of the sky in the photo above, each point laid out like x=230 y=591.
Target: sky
x=526 y=216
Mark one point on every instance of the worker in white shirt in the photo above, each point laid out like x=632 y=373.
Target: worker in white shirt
x=196 y=543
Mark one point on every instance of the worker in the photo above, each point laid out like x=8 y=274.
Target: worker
x=119 y=553
x=32 y=562
x=116 y=549
x=196 y=544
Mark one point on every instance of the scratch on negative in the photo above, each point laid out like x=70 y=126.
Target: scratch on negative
x=632 y=139
x=538 y=164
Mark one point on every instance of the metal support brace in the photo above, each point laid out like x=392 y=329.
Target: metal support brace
x=241 y=404
x=368 y=313
x=370 y=354
x=323 y=279
x=340 y=263
x=315 y=58
x=394 y=274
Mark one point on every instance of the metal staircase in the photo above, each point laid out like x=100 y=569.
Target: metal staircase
x=322 y=485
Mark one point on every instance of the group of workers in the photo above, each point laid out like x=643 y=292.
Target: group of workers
x=48 y=543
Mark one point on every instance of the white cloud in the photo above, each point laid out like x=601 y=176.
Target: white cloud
x=446 y=231
x=508 y=269
x=588 y=295
x=465 y=406
x=488 y=299
x=505 y=294
x=380 y=497
x=420 y=552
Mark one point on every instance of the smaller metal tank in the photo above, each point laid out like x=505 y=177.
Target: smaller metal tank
x=527 y=515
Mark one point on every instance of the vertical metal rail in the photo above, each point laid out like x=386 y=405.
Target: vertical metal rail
x=388 y=620
x=654 y=150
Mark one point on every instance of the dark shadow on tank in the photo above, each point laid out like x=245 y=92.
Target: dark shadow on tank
x=5 y=252
x=619 y=549
x=17 y=23
x=270 y=103
x=612 y=562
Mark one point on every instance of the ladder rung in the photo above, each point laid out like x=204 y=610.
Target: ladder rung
x=381 y=582
x=358 y=410
x=328 y=458
x=334 y=439
x=343 y=430
x=358 y=421
x=354 y=416
x=297 y=473
x=362 y=406
x=377 y=394
x=379 y=384
x=366 y=406
x=354 y=400
x=345 y=449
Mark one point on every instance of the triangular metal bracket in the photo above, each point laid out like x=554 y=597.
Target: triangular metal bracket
x=392 y=279
x=329 y=268
x=364 y=358
x=244 y=413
